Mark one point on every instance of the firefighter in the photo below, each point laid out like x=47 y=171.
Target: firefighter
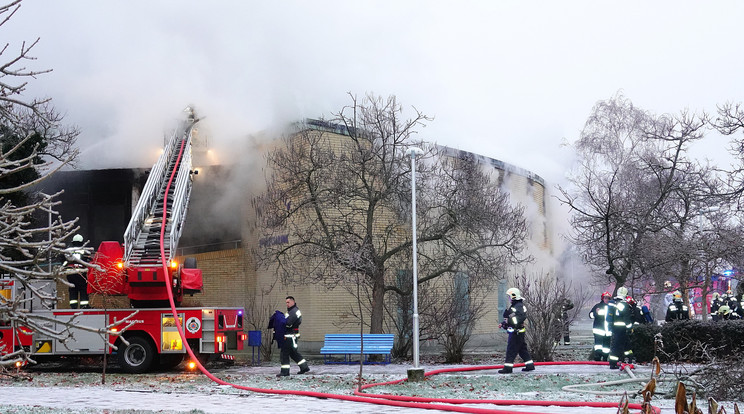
x=731 y=301
x=677 y=310
x=292 y=336
x=600 y=328
x=725 y=313
x=74 y=254
x=562 y=323
x=637 y=318
x=621 y=325
x=514 y=318
x=635 y=311
x=715 y=303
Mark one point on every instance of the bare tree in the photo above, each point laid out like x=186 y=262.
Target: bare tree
x=630 y=164
x=346 y=204
x=455 y=309
x=34 y=144
x=541 y=294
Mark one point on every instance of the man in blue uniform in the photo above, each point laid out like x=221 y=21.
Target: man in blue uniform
x=292 y=336
x=514 y=317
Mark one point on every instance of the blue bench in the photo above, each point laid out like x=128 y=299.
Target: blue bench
x=349 y=345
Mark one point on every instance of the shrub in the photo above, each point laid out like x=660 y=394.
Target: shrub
x=688 y=341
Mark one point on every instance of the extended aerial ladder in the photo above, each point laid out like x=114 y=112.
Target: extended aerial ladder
x=142 y=237
x=138 y=270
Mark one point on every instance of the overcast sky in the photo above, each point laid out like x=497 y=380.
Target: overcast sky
x=508 y=80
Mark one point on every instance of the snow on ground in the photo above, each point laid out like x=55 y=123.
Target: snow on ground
x=179 y=392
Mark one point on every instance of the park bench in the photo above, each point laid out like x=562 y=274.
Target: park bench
x=349 y=345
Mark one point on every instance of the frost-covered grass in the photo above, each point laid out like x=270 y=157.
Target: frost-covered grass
x=546 y=384
x=485 y=384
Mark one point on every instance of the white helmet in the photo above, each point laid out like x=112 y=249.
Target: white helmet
x=514 y=293
x=622 y=292
x=77 y=238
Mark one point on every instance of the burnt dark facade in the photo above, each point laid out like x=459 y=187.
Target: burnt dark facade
x=103 y=201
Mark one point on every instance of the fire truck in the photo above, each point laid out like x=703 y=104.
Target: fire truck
x=145 y=335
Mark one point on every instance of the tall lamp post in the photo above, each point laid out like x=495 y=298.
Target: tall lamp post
x=415 y=374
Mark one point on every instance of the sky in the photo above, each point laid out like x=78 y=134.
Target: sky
x=508 y=80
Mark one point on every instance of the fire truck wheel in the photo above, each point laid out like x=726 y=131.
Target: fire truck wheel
x=137 y=357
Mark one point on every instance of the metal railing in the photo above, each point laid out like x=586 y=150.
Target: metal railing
x=156 y=182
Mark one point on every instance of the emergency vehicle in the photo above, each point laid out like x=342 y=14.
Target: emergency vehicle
x=135 y=269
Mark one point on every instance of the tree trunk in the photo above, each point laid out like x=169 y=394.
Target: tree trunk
x=704 y=292
x=378 y=308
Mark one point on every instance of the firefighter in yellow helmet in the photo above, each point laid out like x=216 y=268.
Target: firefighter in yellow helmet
x=677 y=310
x=725 y=313
x=515 y=315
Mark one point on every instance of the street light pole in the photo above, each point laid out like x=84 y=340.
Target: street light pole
x=413 y=374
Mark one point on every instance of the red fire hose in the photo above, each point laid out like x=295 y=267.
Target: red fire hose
x=391 y=400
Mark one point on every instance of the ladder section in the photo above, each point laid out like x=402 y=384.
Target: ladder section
x=142 y=237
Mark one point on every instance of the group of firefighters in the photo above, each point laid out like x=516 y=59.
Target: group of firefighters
x=726 y=306
x=614 y=319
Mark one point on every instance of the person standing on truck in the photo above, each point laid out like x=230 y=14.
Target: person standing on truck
x=74 y=255
x=292 y=336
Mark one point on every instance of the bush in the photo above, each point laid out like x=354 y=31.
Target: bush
x=688 y=341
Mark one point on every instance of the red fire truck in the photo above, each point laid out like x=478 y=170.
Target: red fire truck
x=144 y=335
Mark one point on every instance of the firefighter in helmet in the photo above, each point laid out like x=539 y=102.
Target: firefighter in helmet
x=731 y=301
x=677 y=310
x=561 y=324
x=515 y=316
x=725 y=313
x=74 y=255
x=636 y=311
x=715 y=303
x=600 y=328
x=622 y=323
x=291 y=339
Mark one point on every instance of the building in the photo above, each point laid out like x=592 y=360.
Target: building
x=220 y=232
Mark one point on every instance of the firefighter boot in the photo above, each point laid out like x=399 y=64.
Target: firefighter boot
x=284 y=372
x=304 y=368
x=505 y=370
x=529 y=367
